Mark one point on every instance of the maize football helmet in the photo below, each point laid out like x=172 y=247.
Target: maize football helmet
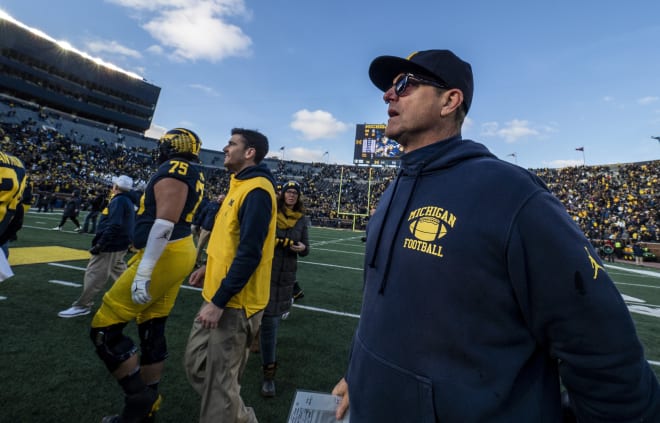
x=179 y=142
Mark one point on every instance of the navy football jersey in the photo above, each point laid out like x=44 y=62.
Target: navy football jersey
x=182 y=170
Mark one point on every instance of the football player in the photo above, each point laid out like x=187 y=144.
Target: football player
x=12 y=185
x=147 y=290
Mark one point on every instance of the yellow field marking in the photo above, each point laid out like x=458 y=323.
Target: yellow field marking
x=35 y=255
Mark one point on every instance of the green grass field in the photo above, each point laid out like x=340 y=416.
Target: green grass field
x=50 y=372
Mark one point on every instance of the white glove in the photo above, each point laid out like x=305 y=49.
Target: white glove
x=140 y=290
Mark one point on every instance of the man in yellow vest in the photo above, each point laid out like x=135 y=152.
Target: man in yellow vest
x=235 y=281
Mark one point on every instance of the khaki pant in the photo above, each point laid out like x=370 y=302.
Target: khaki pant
x=214 y=362
x=100 y=267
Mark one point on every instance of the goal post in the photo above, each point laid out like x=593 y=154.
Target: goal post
x=354 y=216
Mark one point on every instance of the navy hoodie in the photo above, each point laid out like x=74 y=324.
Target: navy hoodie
x=480 y=292
x=115 y=228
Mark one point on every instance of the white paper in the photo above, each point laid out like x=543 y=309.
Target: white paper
x=5 y=268
x=315 y=407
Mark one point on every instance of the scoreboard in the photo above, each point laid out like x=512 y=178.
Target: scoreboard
x=372 y=147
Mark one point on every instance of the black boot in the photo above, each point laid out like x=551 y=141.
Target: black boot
x=140 y=400
x=268 y=386
x=298 y=293
x=138 y=408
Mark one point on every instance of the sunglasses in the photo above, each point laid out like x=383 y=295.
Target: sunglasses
x=402 y=83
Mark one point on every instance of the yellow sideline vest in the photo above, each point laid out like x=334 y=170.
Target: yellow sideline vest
x=223 y=245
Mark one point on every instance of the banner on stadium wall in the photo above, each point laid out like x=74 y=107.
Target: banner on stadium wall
x=372 y=147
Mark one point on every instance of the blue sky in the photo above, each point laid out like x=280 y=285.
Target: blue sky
x=549 y=76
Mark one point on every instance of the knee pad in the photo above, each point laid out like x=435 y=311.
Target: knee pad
x=153 y=346
x=112 y=346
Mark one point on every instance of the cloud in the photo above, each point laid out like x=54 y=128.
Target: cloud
x=205 y=89
x=563 y=163
x=190 y=30
x=647 y=100
x=155 y=131
x=156 y=49
x=112 y=47
x=511 y=131
x=608 y=99
x=468 y=124
x=301 y=154
x=317 y=124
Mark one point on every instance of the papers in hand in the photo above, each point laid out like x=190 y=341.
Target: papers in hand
x=315 y=407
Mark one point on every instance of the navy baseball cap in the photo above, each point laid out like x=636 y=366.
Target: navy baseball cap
x=441 y=65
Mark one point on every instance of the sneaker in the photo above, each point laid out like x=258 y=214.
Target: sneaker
x=57 y=228
x=78 y=229
x=268 y=388
x=74 y=311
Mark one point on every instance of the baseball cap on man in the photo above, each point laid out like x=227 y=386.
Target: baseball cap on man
x=441 y=65
x=123 y=182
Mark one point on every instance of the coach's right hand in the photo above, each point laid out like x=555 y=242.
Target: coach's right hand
x=341 y=390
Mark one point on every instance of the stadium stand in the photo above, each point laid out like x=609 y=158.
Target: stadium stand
x=76 y=124
x=607 y=202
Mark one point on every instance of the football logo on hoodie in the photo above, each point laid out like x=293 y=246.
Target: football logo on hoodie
x=427 y=225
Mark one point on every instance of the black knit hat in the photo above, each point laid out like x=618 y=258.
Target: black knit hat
x=291 y=185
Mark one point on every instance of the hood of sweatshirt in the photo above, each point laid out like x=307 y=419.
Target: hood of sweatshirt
x=254 y=171
x=434 y=157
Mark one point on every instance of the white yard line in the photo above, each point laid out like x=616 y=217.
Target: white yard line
x=331 y=265
x=323 y=310
x=65 y=283
x=357 y=316
x=335 y=241
x=66 y=266
x=638 y=271
x=338 y=251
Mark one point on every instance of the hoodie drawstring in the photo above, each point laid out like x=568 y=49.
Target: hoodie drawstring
x=372 y=263
x=390 y=251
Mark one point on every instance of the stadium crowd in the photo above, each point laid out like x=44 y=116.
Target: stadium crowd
x=607 y=202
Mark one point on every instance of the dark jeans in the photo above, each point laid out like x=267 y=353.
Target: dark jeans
x=268 y=338
x=73 y=219
x=91 y=217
